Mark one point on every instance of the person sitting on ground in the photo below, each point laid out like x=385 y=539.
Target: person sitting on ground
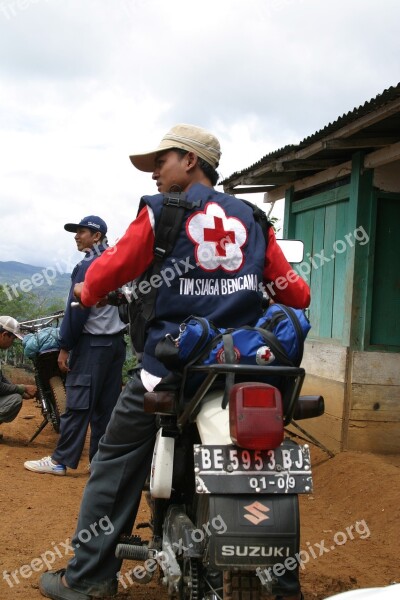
x=11 y=395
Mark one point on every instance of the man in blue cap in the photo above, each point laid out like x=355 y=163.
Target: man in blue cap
x=92 y=354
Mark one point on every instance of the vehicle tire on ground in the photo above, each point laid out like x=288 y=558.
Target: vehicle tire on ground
x=238 y=585
x=59 y=395
x=243 y=585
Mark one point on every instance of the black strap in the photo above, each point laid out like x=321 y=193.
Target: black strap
x=275 y=345
x=173 y=211
x=300 y=336
x=229 y=355
x=261 y=218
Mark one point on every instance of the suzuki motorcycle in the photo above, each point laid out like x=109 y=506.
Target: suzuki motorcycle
x=224 y=484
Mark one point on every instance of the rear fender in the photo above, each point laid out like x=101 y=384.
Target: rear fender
x=261 y=530
x=213 y=421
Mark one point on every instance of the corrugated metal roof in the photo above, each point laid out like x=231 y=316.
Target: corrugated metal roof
x=379 y=101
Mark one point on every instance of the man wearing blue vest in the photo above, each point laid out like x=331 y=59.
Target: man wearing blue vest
x=219 y=242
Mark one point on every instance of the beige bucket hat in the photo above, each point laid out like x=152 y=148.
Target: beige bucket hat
x=186 y=137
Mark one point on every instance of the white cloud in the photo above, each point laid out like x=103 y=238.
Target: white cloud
x=84 y=83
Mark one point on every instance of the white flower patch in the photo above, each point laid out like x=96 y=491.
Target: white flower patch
x=219 y=239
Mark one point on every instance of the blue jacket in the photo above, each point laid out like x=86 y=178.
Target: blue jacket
x=75 y=318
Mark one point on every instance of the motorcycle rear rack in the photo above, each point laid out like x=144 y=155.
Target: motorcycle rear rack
x=290 y=396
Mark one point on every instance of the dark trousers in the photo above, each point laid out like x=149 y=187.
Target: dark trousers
x=10 y=406
x=112 y=494
x=92 y=386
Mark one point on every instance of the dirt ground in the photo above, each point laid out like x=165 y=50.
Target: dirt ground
x=350 y=523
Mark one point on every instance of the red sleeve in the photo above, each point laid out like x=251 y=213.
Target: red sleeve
x=127 y=260
x=282 y=283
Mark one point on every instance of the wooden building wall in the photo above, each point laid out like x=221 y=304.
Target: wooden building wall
x=374 y=402
x=352 y=355
x=326 y=372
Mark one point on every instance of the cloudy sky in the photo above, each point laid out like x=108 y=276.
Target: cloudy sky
x=85 y=83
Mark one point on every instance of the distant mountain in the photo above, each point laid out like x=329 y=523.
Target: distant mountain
x=46 y=282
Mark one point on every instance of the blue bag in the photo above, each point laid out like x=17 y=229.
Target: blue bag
x=289 y=328
x=41 y=341
x=276 y=339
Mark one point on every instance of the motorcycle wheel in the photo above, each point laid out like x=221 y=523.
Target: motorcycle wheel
x=60 y=398
x=243 y=585
x=236 y=585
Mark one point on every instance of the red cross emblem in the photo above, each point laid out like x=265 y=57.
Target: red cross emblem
x=218 y=238
x=264 y=356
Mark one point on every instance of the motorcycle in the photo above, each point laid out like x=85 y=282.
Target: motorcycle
x=50 y=382
x=224 y=484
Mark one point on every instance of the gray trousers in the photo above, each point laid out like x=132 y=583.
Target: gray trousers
x=10 y=406
x=112 y=495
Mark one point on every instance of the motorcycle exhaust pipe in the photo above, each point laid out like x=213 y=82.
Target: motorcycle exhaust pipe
x=309 y=407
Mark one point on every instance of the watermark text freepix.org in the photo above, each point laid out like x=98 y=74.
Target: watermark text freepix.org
x=163 y=558
x=187 y=286
x=47 y=275
x=318 y=259
x=314 y=551
x=11 y=8
x=46 y=560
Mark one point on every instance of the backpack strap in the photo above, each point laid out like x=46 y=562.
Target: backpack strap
x=173 y=211
x=229 y=351
x=300 y=336
x=260 y=217
x=275 y=346
x=169 y=226
x=141 y=309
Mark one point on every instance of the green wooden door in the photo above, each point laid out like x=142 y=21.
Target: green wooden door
x=321 y=221
x=385 y=305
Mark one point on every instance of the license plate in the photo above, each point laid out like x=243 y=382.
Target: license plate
x=233 y=470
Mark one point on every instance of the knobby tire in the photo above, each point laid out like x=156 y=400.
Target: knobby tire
x=59 y=395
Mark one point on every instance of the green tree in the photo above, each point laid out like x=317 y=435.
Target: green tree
x=27 y=306
x=274 y=221
x=130 y=361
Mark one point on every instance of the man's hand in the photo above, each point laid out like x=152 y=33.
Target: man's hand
x=30 y=392
x=63 y=360
x=78 y=293
x=78 y=287
x=102 y=302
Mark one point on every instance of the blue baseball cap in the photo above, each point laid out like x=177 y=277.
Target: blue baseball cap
x=91 y=222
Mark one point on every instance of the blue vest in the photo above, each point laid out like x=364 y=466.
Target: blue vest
x=214 y=271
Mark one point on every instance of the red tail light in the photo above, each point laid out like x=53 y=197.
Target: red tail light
x=256 y=416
